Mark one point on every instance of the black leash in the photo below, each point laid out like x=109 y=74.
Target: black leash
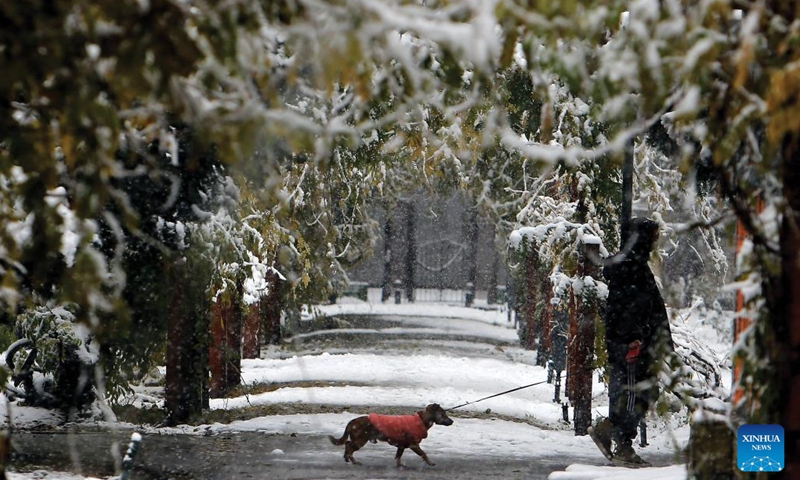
x=496 y=395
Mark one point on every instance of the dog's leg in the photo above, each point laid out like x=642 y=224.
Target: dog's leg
x=418 y=451
x=352 y=446
x=398 y=455
x=357 y=433
x=349 y=448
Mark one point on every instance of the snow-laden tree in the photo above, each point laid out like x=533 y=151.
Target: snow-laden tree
x=723 y=80
x=80 y=80
x=88 y=103
x=84 y=81
x=718 y=74
x=306 y=231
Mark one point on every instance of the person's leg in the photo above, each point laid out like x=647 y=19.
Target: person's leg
x=605 y=429
x=630 y=408
x=600 y=433
x=622 y=402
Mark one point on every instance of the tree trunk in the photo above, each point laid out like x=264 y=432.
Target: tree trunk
x=787 y=329
x=5 y=448
x=186 y=389
x=491 y=287
x=411 y=250
x=740 y=322
x=271 y=309
x=388 y=238
x=581 y=346
x=538 y=286
x=710 y=449
x=627 y=194
x=572 y=349
x=471 y=234
x=251 y=346
x=530 y=298
x=225 y=351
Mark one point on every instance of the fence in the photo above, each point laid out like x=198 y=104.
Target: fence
x=427 y=295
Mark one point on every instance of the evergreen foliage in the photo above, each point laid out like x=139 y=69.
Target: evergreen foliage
x=529 y=107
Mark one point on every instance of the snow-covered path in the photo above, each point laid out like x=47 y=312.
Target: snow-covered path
x=406 y=372
x=413 y=375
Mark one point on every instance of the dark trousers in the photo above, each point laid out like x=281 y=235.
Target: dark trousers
x=631 y=390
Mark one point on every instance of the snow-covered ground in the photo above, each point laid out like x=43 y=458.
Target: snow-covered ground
x=415 y=373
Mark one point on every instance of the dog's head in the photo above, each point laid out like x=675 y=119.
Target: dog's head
x=438 y=415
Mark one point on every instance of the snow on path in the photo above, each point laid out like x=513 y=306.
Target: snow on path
x=590 y=472
x=422 y=375
x=404 y=380
x=437 y=310
x=495 y=438
x=448 y=319
x=422 y=370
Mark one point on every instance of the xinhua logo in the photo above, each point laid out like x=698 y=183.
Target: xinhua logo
x=760 y=448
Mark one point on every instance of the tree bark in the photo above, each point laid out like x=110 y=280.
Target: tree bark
x=627 y=194
x=411 y=250
x=491 y=287
x=547 y=323
x=581 y=346
x=225 y=351
x=471 y=235
x=388 y=238
x=271 y=310
x=544 y=295
x=530 y=298
x=787 y=329
x=186 y=388
x=251 y=346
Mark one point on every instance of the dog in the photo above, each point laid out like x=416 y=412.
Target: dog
x=401 y=431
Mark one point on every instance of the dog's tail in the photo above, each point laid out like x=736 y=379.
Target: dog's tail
x=338 y=441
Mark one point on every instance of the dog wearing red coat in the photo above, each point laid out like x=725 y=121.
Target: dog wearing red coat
x=401 y=431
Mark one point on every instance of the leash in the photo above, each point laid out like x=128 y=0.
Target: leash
x=496 y=395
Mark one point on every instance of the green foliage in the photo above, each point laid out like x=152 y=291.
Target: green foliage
x=7 y=334
x=66 y=354
x=600 y=349
x=529 y=115
x=55 y=333
x=533 y=288
x=133 y=339
x=82 y=83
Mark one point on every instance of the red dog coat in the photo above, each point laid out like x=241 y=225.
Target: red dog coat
x=400 y=428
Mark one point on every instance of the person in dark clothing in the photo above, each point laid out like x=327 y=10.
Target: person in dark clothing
x=637 y=336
